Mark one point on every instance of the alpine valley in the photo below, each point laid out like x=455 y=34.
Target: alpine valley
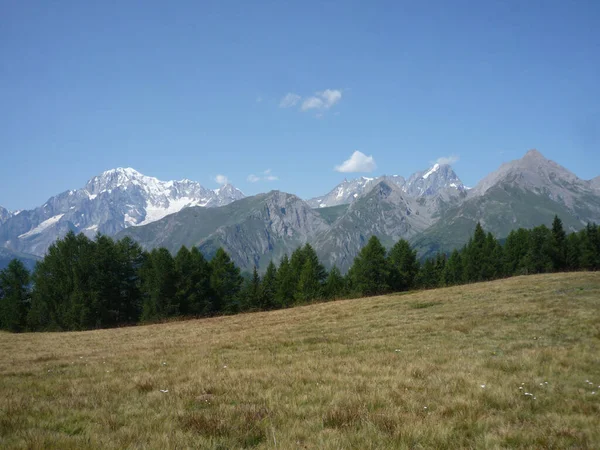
x=432 y=209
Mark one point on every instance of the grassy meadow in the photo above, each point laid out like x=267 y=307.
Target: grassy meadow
x=506 y=364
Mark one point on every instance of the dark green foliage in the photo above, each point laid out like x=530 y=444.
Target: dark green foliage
x=403 y=266
x=225 y=283
x=335 y=284
x=268 y=287
x=428 y=275
x=83 y=283
x=14 y=296
x=311 y=276
x=159 y=281
x=285 y=283
x=558 y=245
x=193 y=293
x=539 y=254
x=453 y=271
x=369 y=274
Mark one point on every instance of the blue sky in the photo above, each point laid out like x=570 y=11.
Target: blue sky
x=195 y=89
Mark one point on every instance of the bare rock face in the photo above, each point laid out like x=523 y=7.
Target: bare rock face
x=5 y=214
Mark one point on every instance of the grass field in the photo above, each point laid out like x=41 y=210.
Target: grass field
x=506 y=364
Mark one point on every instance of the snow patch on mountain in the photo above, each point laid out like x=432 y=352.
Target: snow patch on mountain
x=42 y=226
x=432 y=170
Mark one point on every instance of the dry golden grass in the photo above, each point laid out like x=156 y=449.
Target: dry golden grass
x=398 y=371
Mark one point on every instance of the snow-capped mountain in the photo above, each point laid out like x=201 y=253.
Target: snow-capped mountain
x=438 y=178
x=116 y=199
x=427 y=183
x=349 y=190
x=4 y=215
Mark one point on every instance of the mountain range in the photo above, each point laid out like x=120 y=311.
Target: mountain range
x=432 y=208
x=108 y=203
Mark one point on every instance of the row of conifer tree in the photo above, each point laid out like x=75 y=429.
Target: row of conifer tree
x=84 y=284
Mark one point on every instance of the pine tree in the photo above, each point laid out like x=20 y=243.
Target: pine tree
x=308 y=287
x=253 y=300
x=335 y=285
x=159 y=285
x=558 y=245
x=428 y=276
x=515 y=252
x=573 y=252
x=225 y=282
x=131 y=258
x=268 y=287
x=369 y=273
x=453 y=272
x=14 y=296
x=286 y=283
x=403 y=266
x=539 y=253
x=474 y=262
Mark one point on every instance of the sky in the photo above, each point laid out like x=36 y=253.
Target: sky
x=291 y=95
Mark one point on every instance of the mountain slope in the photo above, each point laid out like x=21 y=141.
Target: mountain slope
x=110 y=202
x=438 y=180
x=253 y=230
x=386 y=212
x=4 y=215
x=6 y=256
x=523 y=193
x=349 y=190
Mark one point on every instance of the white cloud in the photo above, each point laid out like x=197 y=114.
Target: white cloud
x=221 y=179
x=290 y=99
x=447 y=159
x=264 y=176
x=322 y=100
x=358 y=162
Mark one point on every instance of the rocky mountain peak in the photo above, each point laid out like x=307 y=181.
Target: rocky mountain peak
x=431 y=182
x=4 y=214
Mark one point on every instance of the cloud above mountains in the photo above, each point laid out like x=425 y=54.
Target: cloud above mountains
x=358 y=162
x=320 y=101
x=221 y=179
x=264 y=176
x=447 y=159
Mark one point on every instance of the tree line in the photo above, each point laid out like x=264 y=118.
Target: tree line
x=84 y=284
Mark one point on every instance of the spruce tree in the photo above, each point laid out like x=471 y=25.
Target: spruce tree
x=14 y=296
x=335 y=285
x=286 y=283
x=558 y=245
x=453 y=271
x=268 y=287
x=160 y=286
x=403 y=266
x=369 y=273
x=225 y=283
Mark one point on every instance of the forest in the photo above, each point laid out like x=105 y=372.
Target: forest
x=84 y=284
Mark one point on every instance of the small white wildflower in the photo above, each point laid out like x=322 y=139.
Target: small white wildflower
x=520 y=387
x=483 y=386
x=535 y=398
x=164 y=391
x=545 y=382
x=224 y=367
x=593 y=392
x=164 y=363
x=424 y=407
